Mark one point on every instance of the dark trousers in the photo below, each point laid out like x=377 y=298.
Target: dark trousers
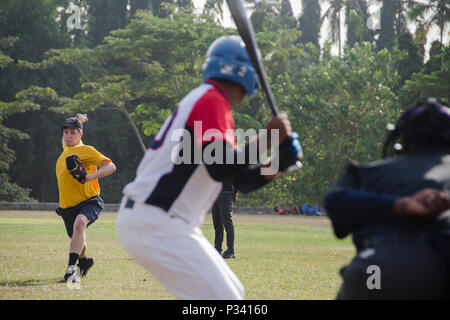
x=406 y=271
x=222 y=212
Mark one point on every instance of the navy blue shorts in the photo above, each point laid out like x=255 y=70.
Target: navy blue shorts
x=91 y=209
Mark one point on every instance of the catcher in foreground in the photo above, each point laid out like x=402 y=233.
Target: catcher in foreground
x=398 y=212
x=78 y=169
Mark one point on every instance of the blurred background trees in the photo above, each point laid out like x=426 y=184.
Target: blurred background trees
x=340 y=78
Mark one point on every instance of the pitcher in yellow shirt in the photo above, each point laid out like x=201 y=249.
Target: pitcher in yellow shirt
x=79 y=203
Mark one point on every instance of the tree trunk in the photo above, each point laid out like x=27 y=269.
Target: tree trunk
x=135 y=128
x=339 y=30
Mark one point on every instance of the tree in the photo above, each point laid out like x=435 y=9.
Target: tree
x=356 y=16
x=340 y=107
x=6 y=42
x=104 y=16
x=434 y=81
x=309 y=22
x=333 y=15
x=26 y=100
x=136 y=5
x=435 y=62
x=137 y=68
x=35 y=30
x=413 y=63
x=431 y=12
x=141 y=70
x=287 y=19
x=263 y=15
x=185 y=4
x=387 y=23
x=271 y=15
x=138 y=73
x=9 y=191
x=161 y=8
x=393 y=23
x=214 y=8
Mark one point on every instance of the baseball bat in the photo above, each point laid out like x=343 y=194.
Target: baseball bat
x=245 y=29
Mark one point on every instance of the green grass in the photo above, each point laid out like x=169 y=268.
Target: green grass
x=277 y=258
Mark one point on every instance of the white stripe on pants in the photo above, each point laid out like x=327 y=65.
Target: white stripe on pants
x=176 y=254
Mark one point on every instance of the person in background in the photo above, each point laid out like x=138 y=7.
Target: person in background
x=222 y=216
x=78 y=169
x=307 y=210
x=164 y=206
x=295 y=210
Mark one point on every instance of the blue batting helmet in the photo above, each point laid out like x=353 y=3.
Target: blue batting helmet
x=228 y=59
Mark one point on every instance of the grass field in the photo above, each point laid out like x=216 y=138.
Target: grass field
x=277 y=258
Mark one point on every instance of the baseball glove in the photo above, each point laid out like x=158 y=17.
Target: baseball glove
x=75 y=168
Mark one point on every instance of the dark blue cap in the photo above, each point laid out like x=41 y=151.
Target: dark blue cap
x=73 y=123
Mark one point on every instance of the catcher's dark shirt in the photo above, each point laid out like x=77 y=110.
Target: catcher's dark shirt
x=362 y=200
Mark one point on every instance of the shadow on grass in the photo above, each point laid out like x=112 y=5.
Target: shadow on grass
x=29 y=282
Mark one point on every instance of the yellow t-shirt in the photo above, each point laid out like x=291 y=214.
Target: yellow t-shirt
x=72 y=192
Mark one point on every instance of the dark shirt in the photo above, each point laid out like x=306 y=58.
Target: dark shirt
x=362 y=200
x=227 y=186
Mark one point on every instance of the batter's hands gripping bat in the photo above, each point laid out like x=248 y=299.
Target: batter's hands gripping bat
x=245 y=29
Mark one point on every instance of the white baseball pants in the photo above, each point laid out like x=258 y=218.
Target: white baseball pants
x=176 y=254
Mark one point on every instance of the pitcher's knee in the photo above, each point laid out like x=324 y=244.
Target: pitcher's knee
x=80 y=224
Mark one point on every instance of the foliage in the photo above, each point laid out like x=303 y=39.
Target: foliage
x=10 y=191
x=438 y=12
x=104 y=16
x=214 y=10
x=340 y=107
x=386 y=37
x=415 y=56
x=434 y=82
x=6 y=42
x=357 y=16
x=309 y=22
x=128 y=67
x=150 y=73
x=333 y=15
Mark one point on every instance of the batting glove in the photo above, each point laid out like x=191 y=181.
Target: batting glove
x=290 y=151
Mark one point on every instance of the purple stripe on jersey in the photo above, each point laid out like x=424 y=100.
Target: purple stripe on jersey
x=157 y=142
x=170 y=185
